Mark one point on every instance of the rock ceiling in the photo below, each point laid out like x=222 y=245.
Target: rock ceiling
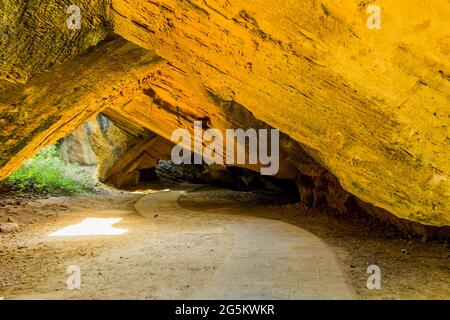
x=369 y=107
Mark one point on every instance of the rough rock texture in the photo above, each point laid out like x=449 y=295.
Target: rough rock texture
x=54 y=103
x=144 y=154
x=77 y=147
x=34 y=34
x=173 y=101
x=8 y=227
x=119 y=155
x=108 y=142
x=371 y=107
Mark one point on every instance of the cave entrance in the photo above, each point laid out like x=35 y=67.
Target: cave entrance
x=103 y=151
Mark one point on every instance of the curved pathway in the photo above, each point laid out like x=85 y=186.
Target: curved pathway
x=269 y=259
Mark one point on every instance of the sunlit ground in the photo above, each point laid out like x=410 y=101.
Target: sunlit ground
x=147 y=191
x=100 y=226
x=91 y=227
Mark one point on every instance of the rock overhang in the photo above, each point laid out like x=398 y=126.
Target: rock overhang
x=372 y=107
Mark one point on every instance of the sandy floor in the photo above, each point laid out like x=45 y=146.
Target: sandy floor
x=410 y=269
x=157 y=258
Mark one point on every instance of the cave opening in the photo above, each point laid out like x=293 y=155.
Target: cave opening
x=102 y=152
x=109 y=151
x=349 y=194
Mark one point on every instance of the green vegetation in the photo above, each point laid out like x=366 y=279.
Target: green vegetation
x=48 y=173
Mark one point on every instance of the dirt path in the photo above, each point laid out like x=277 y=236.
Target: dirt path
x=268 y=259
x=208 y=244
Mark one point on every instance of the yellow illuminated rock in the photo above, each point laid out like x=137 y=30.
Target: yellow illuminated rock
x=371 y=106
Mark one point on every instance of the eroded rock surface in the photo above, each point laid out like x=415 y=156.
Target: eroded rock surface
x=54 y=103
x=77 y=147
x=34 y=35
x=369 y=110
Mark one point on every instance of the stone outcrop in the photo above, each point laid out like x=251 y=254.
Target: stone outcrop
x=372 y=106
x=120 y=156
x=173 y=101
x=144 y=154
x=77 y=147
x=54 y=103
x=362 y=112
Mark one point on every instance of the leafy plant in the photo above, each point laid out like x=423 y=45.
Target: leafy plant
x=48 y=173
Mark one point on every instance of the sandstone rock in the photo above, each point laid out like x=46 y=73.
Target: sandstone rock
x=77 y=147
x=120 y=154
x=369 y=108
x=8 y=227
x=12 y=219
x=45 y=22
x=53 y=104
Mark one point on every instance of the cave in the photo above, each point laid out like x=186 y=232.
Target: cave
x=318 y=131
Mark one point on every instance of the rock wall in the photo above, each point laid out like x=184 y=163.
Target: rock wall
x=370 y=105
x=371 y=108
x=54 y=103
x=34 y=34
x=77 y=147
x=118 y=155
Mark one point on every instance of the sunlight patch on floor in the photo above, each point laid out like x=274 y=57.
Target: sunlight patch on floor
x=91 y=227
